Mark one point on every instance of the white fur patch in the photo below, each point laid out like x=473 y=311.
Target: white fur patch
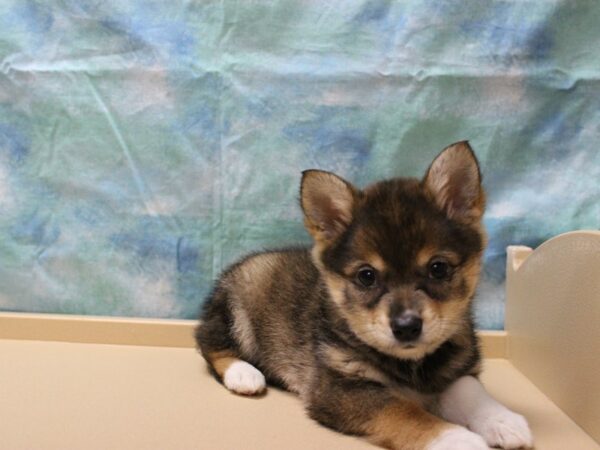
x=457 y=438
x=503 y=428
x=467 y=403
x=244 y=378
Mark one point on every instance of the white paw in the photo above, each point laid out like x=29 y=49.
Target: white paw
x=458 y=438
x=244 y=378
x=502 y=428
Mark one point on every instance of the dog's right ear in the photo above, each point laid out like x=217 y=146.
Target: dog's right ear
x=328 y=203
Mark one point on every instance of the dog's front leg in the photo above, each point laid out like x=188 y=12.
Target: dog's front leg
x=371 y=410
x=467 y=403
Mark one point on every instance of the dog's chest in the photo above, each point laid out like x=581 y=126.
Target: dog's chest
x=434 y=373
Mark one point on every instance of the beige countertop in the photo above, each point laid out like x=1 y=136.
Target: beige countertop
x=56 y=395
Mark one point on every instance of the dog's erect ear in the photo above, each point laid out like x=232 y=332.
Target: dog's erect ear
x=454 y=182
x=328 y=203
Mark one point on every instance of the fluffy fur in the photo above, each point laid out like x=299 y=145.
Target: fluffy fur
x=372 y=327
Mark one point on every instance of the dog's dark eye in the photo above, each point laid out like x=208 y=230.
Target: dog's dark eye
x=366 y=276
x=439 y=270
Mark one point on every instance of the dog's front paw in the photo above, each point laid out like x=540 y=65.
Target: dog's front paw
x=457 y=438
x=503 y=428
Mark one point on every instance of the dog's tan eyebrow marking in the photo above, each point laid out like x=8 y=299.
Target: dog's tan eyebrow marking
x=427 y=253
x=376 y=262
x=371 y=259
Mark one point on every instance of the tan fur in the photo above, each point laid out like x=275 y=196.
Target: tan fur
x=221 y=361
x=441 y=319
x=372 y=325
x=371 y=259
x=448 y=317
x=243 y=330
x=259 y=268
x=451 y=314
x=336 y=286
x=404 y=426
x=471 y=271
x=254 y=272
x=427 y=253
x=346 y=363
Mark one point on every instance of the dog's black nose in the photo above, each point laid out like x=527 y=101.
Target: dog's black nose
x=407 y=327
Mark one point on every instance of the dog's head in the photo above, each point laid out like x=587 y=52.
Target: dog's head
x=401 y=258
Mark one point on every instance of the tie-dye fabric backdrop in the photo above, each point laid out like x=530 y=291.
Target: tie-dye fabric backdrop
x=144 y=145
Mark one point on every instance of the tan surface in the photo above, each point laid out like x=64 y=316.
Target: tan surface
x=553 y=321
x=90 y=396
x=97 y=330
x=135 y=331
x=552 y=429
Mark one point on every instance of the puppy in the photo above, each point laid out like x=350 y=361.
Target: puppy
x=372 y=327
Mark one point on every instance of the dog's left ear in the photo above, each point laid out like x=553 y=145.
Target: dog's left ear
x=454 y=183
